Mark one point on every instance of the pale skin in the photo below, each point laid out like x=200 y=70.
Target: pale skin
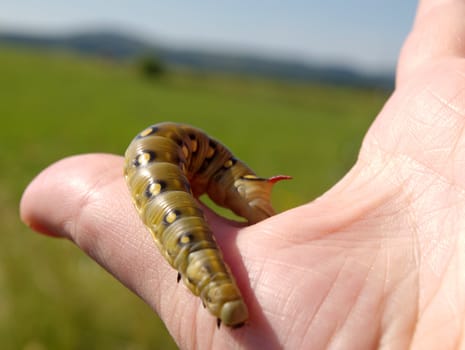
x=376 y=262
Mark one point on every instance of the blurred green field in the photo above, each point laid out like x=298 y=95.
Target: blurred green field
x=52 y=296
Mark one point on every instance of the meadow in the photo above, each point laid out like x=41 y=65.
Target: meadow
x=54 y=105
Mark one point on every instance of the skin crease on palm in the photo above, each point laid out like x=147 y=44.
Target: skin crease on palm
x=376 y=262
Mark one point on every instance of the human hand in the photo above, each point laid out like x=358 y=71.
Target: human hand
x=377 y=261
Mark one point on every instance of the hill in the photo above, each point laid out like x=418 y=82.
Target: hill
x=120 y=46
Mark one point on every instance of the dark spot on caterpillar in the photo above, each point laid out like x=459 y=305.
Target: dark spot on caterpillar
x=204 y=166
x=218 y=322
x=171 y=216
x=178 y=278
x=187 y=186
x=218 y=174
x=144 y=158
x=154 y=188
x=239 y=325
x=173 y=158
x=178 y=140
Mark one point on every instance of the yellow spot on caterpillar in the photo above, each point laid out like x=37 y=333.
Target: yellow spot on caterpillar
x=194 y=145
x=250 y=176
x=228 y=164
x=170 y=217
x=210 y=152
x=144 y=158
x=146 y=132
x=185 y=151
x=154 y=188
x=184 y=239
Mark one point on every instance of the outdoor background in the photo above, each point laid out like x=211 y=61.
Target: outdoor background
x=290 y=89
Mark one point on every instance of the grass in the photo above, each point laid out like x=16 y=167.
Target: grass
x=52 y=296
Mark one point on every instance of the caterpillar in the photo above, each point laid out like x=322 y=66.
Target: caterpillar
x=167 y=166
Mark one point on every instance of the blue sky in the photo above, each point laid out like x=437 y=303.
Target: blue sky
x=366 y=34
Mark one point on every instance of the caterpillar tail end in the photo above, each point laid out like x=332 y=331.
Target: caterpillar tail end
x=254 y=194
x=277 y=178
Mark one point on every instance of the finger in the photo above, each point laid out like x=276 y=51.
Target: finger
x=53 y=200
x=438 y=33
x=85 y=199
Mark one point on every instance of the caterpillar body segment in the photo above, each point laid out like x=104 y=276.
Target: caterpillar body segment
x=166 y=167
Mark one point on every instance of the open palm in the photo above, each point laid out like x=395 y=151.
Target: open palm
x=377 y=261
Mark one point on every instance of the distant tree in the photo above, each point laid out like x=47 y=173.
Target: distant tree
x=150 y=66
